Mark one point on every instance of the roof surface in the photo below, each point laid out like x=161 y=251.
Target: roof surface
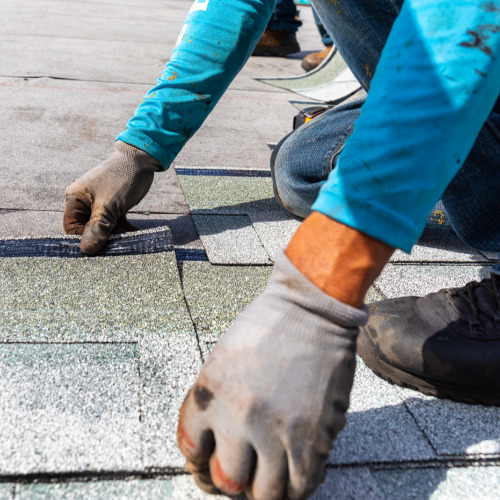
x=97 y=354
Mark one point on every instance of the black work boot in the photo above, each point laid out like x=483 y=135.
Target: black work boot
x=277 y=43
x=446 y=344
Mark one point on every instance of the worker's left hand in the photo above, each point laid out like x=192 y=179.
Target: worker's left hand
x=97 y=203
x=271 y=397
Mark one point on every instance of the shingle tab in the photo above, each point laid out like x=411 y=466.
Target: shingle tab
x=228 y=195
x=439 y=245
x=348 y=483
x=456 y=429
x=230 y=239
x=379 y=427
x=275 y=229
x=460 y=483
x=217 y=294
x=402 y=280
x=69 y=408
x=104 y=299
x=168 y=369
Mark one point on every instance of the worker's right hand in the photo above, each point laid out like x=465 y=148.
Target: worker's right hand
x=96 y=203
x=272 y=395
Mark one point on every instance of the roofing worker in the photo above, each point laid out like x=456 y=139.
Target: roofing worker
x=279 y=38
x=272 y=395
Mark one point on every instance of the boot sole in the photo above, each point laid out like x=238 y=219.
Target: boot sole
x=437 y=388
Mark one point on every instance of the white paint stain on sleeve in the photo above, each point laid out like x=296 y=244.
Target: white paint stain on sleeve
x=199 y=5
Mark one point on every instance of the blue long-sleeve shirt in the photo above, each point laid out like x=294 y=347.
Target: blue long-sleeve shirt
x=216 y=40
x=435 y=84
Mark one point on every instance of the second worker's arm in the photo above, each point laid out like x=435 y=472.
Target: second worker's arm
x=216 y=40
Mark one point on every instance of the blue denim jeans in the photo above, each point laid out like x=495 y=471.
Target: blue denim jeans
x=284 y=17
x=325 y=36
x=301 y=162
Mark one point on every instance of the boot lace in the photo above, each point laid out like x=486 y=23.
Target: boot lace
x=467 y=294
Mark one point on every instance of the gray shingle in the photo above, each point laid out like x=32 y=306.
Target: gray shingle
x=207 y=194
x=230 y=239
x=439 y=245
x=379 y=427
x=456 y=429
x=91 y=299
x=348 y=483
x=216 y=294
x=329 y=82
x=275 y=229
x=180 y=487
x=7 y=491
x=168 y=369
x=402 y=280
x=464 y=483
x=339 y=484
x=69 y=408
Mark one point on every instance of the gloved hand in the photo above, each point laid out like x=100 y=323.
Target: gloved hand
x=272 y=395
x=97 y=202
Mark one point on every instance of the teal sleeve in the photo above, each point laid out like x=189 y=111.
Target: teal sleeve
x=216 y=40
x=436 y=82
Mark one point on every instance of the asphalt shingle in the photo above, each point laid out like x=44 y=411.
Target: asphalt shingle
x=7 y=491
x=402 y=280
x=230 y=239
x=105 y=299
x=275 y=229
x=69 y=407
x=463 y=483
x=213 y=194
x=348 y=483
x=217 y=294
x=168 y=369
x=456 y=429
x=181 y=487
x=379 y=428
x=439 y=245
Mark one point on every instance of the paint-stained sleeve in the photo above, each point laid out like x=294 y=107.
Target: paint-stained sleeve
x=436 y=82
x=216 y=40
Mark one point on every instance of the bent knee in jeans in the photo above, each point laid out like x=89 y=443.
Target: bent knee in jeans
x=302 y=161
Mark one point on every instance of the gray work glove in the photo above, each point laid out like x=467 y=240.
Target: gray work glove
x=97 y=202
x=272 y=395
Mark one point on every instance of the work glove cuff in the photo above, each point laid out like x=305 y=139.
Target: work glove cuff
x=288 y=283
x=137 y=157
